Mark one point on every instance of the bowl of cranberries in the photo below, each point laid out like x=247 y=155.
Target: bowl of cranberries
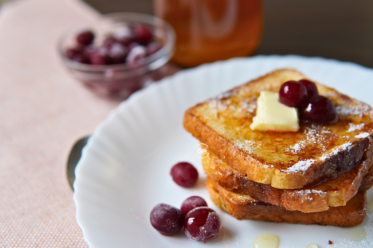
x=120 y=54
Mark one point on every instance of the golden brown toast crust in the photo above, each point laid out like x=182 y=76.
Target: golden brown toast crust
x=367 y=181
x=283 y=160
x=245 y=207
x=332 y=193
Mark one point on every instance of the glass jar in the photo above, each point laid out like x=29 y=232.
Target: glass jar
x=210 y=30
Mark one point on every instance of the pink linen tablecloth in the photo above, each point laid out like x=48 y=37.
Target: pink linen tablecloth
x=43 y=112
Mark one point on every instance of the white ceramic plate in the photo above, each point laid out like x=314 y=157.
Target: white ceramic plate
x=124 y=170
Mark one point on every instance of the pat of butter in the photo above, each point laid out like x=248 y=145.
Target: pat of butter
x=271 y=115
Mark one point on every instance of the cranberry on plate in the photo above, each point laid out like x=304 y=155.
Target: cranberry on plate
x=201 y=223
x=166 y=219
x=184 y=174
x=192 y=202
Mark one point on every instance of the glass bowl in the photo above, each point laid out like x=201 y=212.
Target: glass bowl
x=120 y=80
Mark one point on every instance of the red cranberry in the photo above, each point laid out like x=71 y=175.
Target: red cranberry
x=82 y=59
x=135 y=55
x=100 y=57
x=143 y=34
x=125 y=41
x=318 y=109
x=132 y=45
x=85 y=38
x=124 y=35
x=311 y=88
x=110 y=40
x=117 y=53
x=201 y=223
x=123 y=31
x=71 y=53
x=293 y=94
x=89 y=50
x=192 y=202
x=166 y=219
x=152 y=48
x=184 y=174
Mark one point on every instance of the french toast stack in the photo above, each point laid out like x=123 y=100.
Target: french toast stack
x=317 y=175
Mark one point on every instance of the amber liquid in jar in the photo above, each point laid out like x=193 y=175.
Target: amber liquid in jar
x=210 y=30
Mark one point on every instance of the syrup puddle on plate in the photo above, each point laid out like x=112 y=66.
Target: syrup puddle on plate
x=266 y=241
x=357 y=233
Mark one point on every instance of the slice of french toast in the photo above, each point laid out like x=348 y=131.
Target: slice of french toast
x=245 y=207
x=288 y=160
x=315 y=198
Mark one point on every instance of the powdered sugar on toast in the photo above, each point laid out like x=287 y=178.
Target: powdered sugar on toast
x=249 y=105
x=300 y=166
x=308 y=192
x=354 y=127
x=358 y=110
x=246 y=145
x=335 y=151
x=362 y=135
x=225 y=95
x=313 y=135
